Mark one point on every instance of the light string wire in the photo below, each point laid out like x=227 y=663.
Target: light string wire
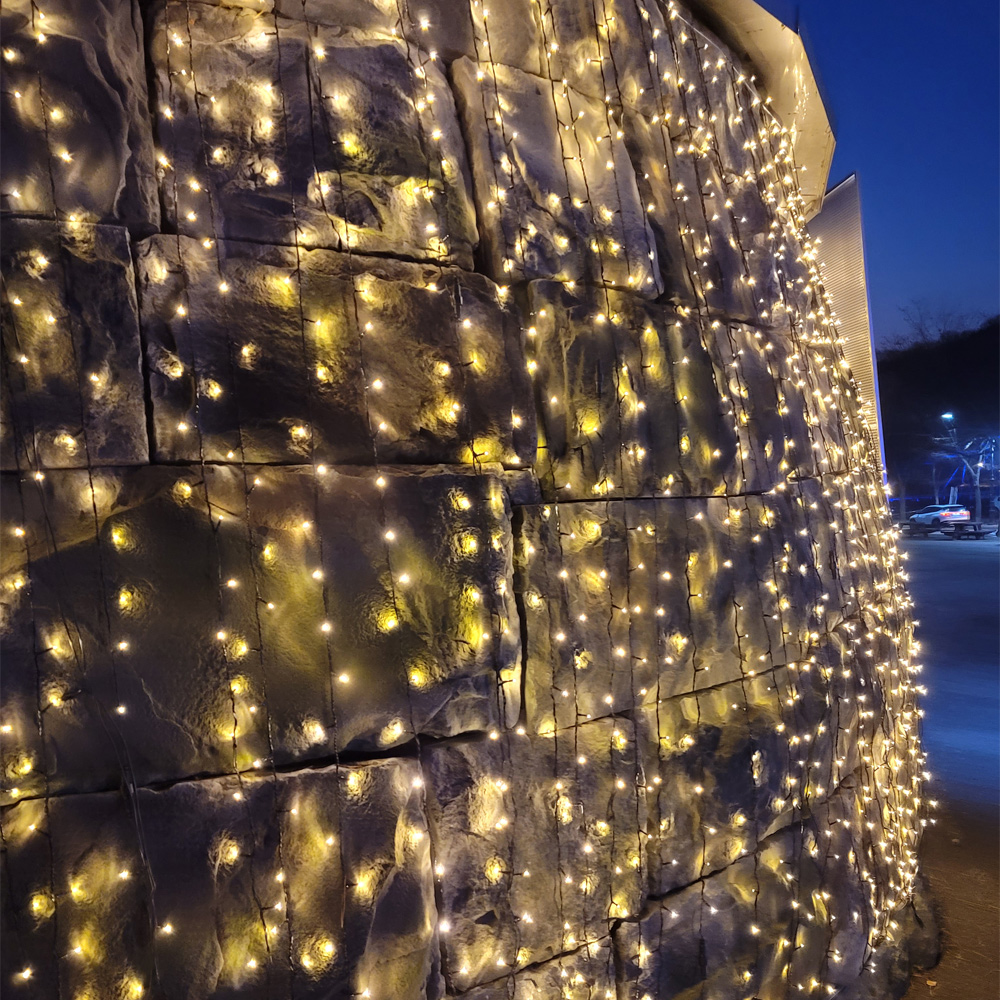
x=26 y=583
x=116 y=737
x=232 y=646
x=499 y=120
x=380 y=480
x=884 y=722
x=570 y=125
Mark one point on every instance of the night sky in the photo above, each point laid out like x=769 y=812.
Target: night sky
x=914 y=89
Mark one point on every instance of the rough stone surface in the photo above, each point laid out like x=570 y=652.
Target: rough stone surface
x=326 y=871
x=715 y=229
x=511 y=900
x=631 y=402
x=328 y=356
x=639 y=399
x=726 y=767
x=422 y=639
x=510 y=609
x=556 y=200
x=629 y=601
x=439 y=26
x=588 y=973
x=76 y=133
x=767 y=924
x=346 y=139
x=73 y=393
x=601 y=50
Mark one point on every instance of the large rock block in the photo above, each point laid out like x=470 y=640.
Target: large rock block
x=76 y=134
x=601 y=51
x=444 y=27
x=796 y=915
x=712 y=228
x=554 y=186
x=72 y=391
x=831 y=411
x=334 y=139
x=226 y=617
x=725 y=136
x=784 y=409
x=330 y=357
x=712 y=113
x=728 y=766
x=873 y=570
x=641 y=399
x=629 y=601
x=315 y=884
x=631 y=401
x=711 y=99
x=539 y=842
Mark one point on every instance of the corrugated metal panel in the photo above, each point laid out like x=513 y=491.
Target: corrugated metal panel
x=841 y=247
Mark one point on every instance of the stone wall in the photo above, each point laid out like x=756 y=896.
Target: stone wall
x=441 y=551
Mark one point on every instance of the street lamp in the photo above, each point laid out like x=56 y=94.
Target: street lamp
x=971 y=455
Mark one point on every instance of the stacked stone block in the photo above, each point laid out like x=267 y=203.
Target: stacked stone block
x=441 y=553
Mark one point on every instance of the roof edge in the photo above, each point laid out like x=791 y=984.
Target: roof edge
x=778 y=55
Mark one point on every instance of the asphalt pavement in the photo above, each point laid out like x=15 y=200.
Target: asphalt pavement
x=956 y=589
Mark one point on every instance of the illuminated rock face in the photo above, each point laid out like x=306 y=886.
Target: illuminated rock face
x=368 y=320
x=75 y=396
x=77 y=135
x=442 y=555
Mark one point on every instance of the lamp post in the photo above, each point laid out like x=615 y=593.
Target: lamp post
x=948 y=419
x=972 y=457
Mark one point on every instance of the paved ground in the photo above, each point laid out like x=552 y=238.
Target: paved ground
x=956 y=587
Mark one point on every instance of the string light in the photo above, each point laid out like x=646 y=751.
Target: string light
x=767 y=616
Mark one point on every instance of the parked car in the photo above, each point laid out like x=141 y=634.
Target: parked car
x=938 y=516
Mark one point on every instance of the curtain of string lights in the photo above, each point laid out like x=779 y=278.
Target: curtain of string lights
x=442 y=551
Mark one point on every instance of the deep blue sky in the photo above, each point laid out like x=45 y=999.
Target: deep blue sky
x=914 y=88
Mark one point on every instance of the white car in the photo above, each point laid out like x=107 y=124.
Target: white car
x=938 y=516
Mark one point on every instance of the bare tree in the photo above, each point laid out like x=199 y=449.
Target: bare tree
x=926 y=323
